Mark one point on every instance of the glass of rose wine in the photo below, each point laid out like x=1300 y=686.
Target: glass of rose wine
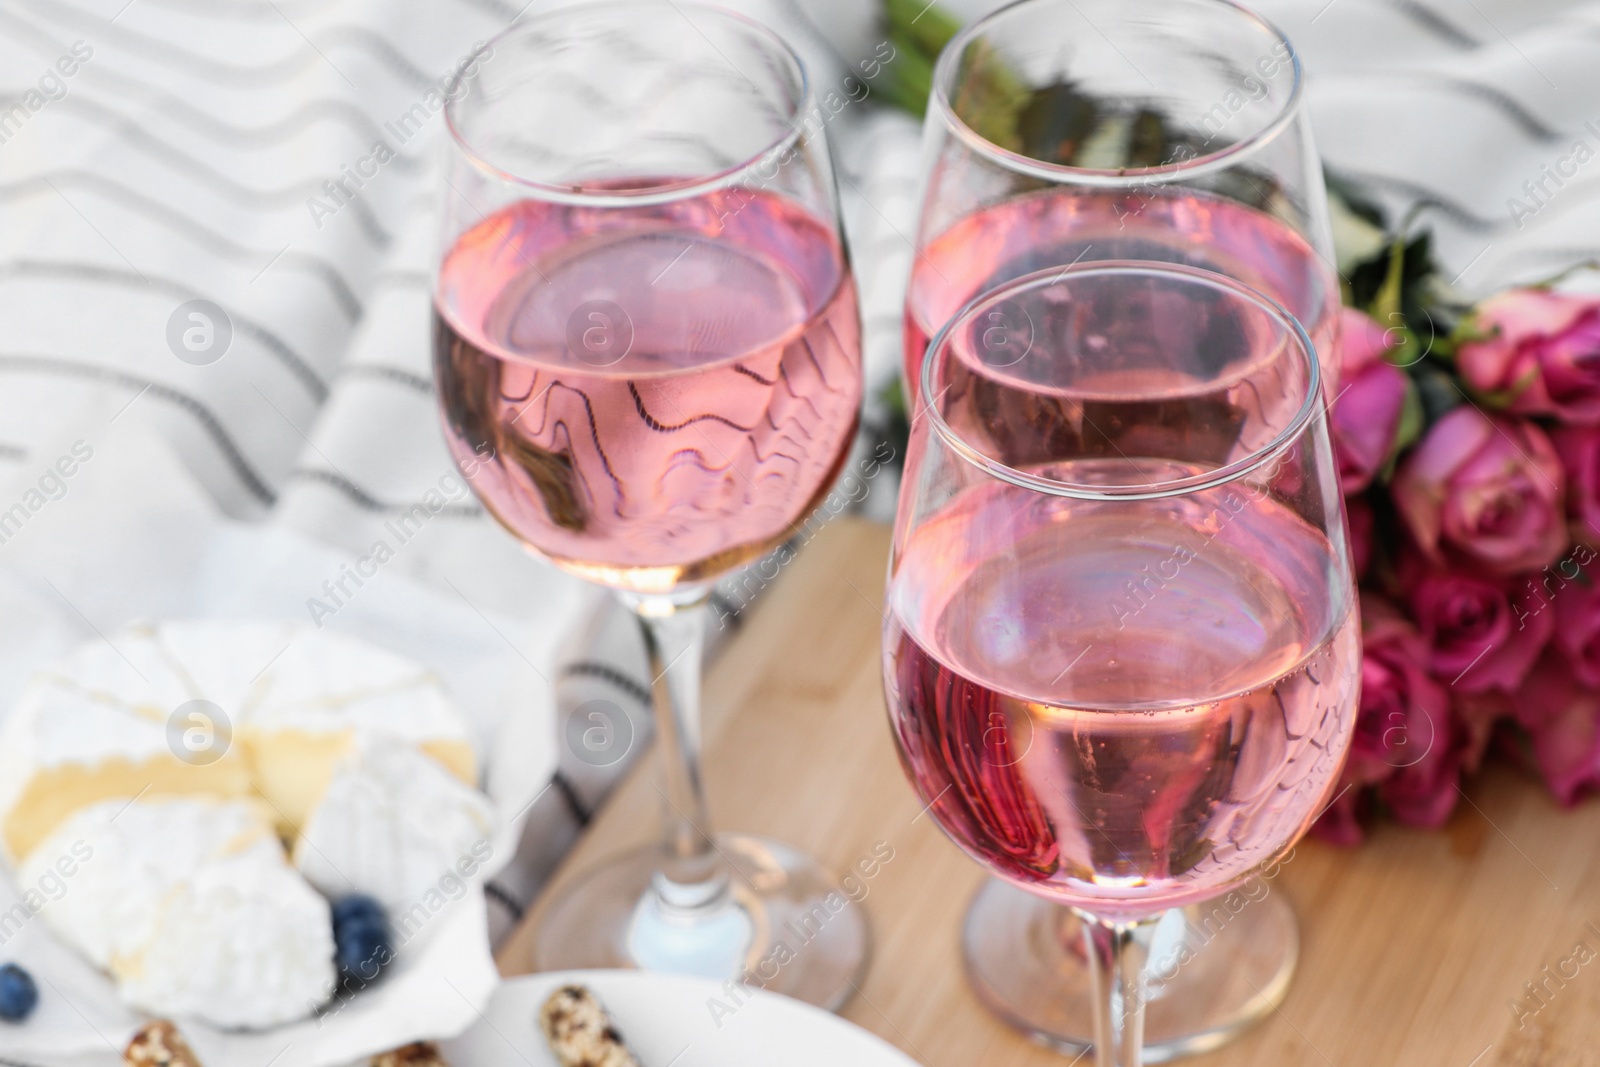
x=647 y=346
x=1074 y=131
x=1121 y=650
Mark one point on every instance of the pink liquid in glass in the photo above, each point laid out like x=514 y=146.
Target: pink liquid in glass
x=1060 y=226
x=650 y=396
x=1122 y=706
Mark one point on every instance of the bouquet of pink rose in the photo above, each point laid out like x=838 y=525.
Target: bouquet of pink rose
x=1468 y=440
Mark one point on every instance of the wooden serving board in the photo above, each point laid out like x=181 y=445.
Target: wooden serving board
x=1416 y=948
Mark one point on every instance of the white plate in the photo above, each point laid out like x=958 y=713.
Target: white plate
x=671 y=1021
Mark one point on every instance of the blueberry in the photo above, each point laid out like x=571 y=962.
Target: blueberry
x=361 y=938
x=363 y=953
x=356 y=906
x=18 y=995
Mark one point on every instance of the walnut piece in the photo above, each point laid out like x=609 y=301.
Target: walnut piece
x=159 y=1044
x=580 y=1032
x=416 y=1054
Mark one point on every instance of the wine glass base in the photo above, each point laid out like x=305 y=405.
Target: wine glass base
x=807 y=939
x=1213 y=970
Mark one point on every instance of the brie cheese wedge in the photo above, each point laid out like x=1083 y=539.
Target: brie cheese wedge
x=395 y=825
x=193 y=909
x=222 y=709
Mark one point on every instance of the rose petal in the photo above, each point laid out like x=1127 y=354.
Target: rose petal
x=1338 y=824
x=1364 y=420
x=1363 y=340
x=1567 y=748
x=1420 y=484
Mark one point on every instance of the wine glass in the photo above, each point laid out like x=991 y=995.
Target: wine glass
x=647 y=348
x=1121 y=652
x=1064 y=131
x=1061 y=131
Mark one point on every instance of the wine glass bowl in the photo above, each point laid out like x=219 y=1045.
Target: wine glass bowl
x=658 y=408
x=1121 y=651
x=648 y=357
x=1064 y=131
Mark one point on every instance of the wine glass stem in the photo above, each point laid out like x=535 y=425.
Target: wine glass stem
x=1116 y=954
x=693 y=875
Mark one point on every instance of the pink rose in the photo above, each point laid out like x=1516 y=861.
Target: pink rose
x=1485 y=633
x=1366 y=413
x=1476 y=716
x=1340 y=822
x=1489 y=490
x=1563 y=718
x=1402 y=709
x=1358 y=510
x=1425 y=793
x=1403 y=737
x=1579 y=449
x=1410 y=712
x=1577 y=613
x=1543 y=349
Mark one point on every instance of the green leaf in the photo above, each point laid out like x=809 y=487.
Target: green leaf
x=1504 y=398
x=1418 y=278
x=1350 y=197
x=1468 y=331
x=927 y=27
x=1385 y=305
x=918 y=31
x=908 y=78
x=1413 y=420
x=1148 y=145
x=1408 y=351
x=1439 y=344
x=894 y=429
x=1436 y=390
x=893 y=396
x=991 y=99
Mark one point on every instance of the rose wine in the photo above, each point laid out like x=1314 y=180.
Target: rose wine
x=650 y=396
x=1122 y=706
x=1059 y=226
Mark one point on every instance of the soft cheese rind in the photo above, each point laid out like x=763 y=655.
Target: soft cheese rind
x=191 y=906
x=394 y=824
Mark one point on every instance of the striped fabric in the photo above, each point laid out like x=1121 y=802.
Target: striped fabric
x=277 y=160
x=1484 y=115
